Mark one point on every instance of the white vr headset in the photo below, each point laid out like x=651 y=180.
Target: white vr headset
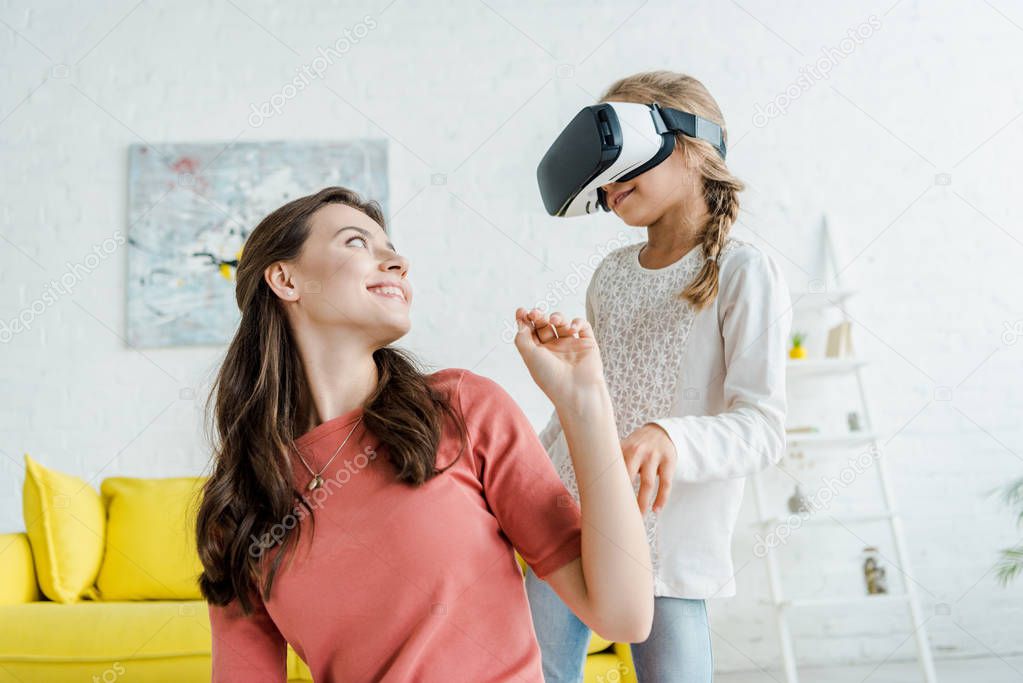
x=612 y=142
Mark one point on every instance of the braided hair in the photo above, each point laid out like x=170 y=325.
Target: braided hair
x=720 y=188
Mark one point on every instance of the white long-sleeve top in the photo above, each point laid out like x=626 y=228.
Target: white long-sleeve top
x=714 y=380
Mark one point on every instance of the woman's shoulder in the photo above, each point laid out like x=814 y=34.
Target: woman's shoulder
x=446 y=376
x=483 y=404
x=446 y=381
x=464 y=386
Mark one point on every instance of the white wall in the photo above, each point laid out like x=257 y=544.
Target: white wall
x=474 y=92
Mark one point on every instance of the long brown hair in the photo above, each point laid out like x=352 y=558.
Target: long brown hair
x=262 y=404
x=720 y=188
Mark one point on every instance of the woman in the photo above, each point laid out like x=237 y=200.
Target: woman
x=365 y=512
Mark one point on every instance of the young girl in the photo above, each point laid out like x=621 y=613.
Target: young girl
x=419 y=485
x=692 y=327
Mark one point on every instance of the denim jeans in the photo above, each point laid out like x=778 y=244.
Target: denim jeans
x=678 y=648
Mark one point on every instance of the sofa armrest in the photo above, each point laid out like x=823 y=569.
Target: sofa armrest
x=17 y=570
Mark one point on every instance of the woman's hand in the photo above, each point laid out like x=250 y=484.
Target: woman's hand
x=610 y=586
x=562 y=356
x=650 y=452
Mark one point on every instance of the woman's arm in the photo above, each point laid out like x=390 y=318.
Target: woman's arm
x=610 y=586
x=550 y=433
x=246 y=647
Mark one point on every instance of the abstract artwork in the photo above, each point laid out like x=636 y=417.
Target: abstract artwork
x=190 y=209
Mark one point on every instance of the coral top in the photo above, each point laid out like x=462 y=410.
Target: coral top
x=401 y=583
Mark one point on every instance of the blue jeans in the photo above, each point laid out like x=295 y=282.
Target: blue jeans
x=678 y=648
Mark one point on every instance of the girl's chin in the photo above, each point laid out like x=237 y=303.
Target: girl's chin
x=631 y=220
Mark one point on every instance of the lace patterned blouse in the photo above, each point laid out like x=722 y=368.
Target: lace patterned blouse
x=714 y=380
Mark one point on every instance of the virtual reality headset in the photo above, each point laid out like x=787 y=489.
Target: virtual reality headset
x=612 y=142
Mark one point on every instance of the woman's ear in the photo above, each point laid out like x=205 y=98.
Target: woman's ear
x=278 y=278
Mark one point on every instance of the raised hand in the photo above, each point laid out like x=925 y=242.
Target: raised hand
x=561 y=355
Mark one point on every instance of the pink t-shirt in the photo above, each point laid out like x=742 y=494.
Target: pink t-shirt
x=411 y=584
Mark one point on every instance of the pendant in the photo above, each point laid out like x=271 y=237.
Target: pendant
x=316 y=483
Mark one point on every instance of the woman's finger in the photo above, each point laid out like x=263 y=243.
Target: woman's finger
x=525 y=337
x=562 y=325
x=584 y=327
x=545 y=332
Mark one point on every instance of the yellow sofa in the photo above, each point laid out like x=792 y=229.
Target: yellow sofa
x=144 y=640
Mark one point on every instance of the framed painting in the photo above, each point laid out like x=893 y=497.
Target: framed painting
x=191 y=207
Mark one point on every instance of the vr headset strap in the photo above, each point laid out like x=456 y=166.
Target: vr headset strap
x=690 y=124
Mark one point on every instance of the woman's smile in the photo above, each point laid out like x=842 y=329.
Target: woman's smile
x=389 y=291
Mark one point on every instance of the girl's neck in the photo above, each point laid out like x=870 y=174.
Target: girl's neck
x=674 y=234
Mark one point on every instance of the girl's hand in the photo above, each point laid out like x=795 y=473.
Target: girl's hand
x=650 y=453
x=562 y=356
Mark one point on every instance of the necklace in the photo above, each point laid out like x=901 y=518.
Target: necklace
x=317 y=480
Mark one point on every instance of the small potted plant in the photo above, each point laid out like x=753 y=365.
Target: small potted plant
x=798 y=350
x=1010 y=562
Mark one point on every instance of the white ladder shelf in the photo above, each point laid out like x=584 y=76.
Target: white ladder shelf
x=840 y=367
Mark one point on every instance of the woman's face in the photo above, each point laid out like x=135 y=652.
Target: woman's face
x=349 y=275
x=668 y=186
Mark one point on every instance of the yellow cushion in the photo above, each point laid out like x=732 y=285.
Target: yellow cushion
x=65 y=522
x=522 y=563
x=597 y=644
x=608 y=667
x=150 y=550
x=297 y=669
x=17 y=570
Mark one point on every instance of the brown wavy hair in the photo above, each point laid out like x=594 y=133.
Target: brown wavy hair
x=261 y=402
x=720 y=188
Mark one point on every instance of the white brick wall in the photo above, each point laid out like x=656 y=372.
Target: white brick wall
x=475 y=92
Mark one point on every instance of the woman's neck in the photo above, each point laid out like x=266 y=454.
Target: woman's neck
x=340 y=377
